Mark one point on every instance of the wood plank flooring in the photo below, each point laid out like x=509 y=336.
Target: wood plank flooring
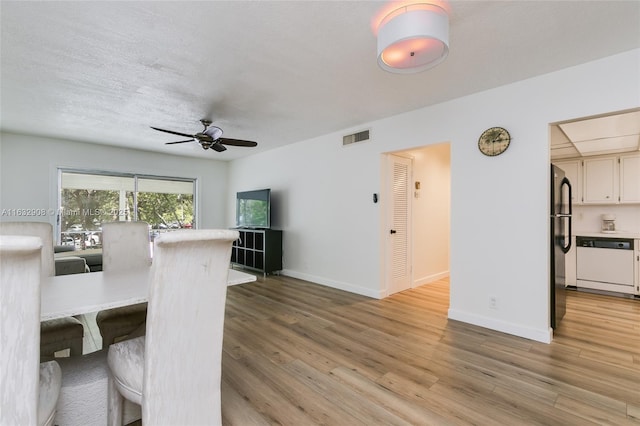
x=297 y=353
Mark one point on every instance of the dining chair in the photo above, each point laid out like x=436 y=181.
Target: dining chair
x=185 y=315
x=57 y=334
x=125 y=245
x=29 y=389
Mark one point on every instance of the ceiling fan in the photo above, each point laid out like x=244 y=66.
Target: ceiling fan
x=210 y=137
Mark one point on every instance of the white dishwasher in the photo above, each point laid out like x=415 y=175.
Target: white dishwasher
x=604 y=263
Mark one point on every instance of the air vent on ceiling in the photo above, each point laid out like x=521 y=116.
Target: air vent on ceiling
x=355 y=137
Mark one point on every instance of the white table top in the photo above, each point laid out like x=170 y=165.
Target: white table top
x=76 y=294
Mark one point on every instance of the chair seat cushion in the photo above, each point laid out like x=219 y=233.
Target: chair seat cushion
x=134 y=314
x=61 y=329
x=126 y=362
x=50 y=382
x=117 y=323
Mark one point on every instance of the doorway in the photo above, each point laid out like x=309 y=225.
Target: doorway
x=429 y=211
x=592 y=152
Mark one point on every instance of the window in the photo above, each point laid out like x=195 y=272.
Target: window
x=87 y=199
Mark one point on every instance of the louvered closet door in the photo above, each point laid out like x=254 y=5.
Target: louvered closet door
x=400 y=225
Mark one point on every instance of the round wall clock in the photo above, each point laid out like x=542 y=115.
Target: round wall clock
x=494 y=141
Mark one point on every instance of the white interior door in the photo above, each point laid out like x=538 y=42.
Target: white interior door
x=399 y=260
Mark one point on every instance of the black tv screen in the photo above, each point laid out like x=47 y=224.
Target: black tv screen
x=253 y=209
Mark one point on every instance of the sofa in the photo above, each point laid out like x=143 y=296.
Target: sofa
x=71 y=265
x=71 y=261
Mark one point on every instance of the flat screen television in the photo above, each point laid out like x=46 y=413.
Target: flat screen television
x=253 y=209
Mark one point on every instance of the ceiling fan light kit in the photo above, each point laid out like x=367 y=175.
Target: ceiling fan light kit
x=214 y=131
x=413 y=38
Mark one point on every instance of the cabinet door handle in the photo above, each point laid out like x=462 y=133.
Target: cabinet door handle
x=393 y=231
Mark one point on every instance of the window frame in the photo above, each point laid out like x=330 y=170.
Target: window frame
x=135 y=177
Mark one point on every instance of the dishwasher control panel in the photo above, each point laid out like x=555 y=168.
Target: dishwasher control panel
x=606 y=243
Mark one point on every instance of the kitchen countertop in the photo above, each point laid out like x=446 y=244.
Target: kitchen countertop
x=617 y=234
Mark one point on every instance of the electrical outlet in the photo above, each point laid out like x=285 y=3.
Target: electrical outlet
x=493 y=302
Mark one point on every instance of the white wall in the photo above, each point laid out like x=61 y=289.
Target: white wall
x=28 y=173
x=322 y=199
x=588 y=218
x=499 y=207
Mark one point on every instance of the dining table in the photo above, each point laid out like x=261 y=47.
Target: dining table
x=83 y=395
x=76 y=294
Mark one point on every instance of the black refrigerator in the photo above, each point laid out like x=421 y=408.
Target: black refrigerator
x=560 y=223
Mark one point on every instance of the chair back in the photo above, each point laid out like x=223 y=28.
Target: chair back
x=125 y=246
x=42 y=230
x=185 y=322
x=19 y=328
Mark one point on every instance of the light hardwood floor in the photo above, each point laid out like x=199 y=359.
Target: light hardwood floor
x=296 y=353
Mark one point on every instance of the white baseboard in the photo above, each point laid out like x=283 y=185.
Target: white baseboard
x=430 y=278
x=376 y=294
x=539 y=335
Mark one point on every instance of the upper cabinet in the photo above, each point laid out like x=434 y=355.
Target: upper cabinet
x=573 y=171
x=611 y=179
x=630 y=178
x=600 y=180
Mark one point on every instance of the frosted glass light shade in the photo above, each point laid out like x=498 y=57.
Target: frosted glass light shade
x=413 y=38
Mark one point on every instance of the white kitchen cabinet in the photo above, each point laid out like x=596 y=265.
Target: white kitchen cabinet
x=600 y=180
x=610 y=179
x=573 y=171
x=630 y=178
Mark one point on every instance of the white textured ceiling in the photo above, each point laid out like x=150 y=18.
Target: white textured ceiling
x=273 y=72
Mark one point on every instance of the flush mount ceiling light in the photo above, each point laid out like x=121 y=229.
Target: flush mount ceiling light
x=413 y=38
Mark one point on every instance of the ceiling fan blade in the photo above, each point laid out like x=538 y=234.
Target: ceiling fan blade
x=171 y=143
x=218 y=147
x=172 y=132
x=237 y=142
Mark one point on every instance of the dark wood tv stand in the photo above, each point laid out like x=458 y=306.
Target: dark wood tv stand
x=258 y=250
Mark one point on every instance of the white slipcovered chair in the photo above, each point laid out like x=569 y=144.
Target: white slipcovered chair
x=57 y=334
x=125 y=245
x=185 y=315
x=29 y=389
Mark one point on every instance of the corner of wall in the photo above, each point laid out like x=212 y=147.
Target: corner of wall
x=539 y=335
